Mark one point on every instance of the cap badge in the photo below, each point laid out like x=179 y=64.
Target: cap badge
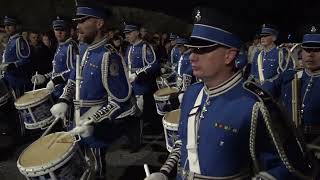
x=198 y=16
x=313 y=29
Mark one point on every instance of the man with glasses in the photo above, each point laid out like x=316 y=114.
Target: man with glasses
x=307 y=90
x=64 y=59
x=105 y=94
x=269 y=62
x=226 y=123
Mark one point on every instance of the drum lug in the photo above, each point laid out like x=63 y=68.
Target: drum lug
x=77 y=138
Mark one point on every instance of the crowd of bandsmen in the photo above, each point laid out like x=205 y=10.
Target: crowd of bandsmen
x=245 y=111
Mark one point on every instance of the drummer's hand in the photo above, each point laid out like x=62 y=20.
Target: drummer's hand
x=180 y=97
x=82 y=130
x=39 y=78
x=59 y=110
x=50 y=86
x=163 y=70
x=156 y=176
x=132 y=77
x=3 y=67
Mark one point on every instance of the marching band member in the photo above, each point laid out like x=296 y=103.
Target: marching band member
x=15 y=60
x=63 y=61
x=269 y=62
x=300 y=88
x=175 y=53
x=143 y=68
x=184 y=70
x=104 y=90
x=229 y=129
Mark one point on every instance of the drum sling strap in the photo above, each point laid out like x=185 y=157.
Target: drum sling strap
x=192 y=142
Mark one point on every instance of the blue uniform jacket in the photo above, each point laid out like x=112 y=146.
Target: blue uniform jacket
x=175 y=55
x=224 y=132
x=17 y=54
x=104 y=83
x=141 y=59
x=273 y=62
x=309 y=95
x=63 y=62
x=184 y=71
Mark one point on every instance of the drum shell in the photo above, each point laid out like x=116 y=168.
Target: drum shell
x=36 y=114
x=169 y=78
x=170 y=131
x=163 y=103
x=72 y=164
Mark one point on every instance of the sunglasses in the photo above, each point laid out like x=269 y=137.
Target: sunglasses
x=205 y=50
x=309 y=50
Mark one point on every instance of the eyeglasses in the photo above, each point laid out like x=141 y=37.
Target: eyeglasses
x=309 y=50
x=205 y=50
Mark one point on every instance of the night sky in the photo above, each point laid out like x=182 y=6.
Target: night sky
x=288 y=15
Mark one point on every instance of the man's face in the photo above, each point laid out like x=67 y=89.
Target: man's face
x=46 y=41
x=33 y=39
x=267 y=40
x=61 y=35
x=173 y=42
x=110 y=34
x=143 y=32
x=182 y=48
x=10 y=30
x=88 y=29
x=207 y=62
x=311 y=59
x=132 y=36
x=117 y=42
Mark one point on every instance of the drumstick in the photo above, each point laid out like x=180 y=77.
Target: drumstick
x=54 y=140
x=34 y=82
x=164 y=81
x=58 y=138
x=50 y=127
x=146 y=170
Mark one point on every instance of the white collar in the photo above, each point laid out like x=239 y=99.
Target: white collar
x=268 y=50
x=312 y=74
x=97 y=44
x=136 y=43
x=225 y=86
x=66 y=41
x=14 y=36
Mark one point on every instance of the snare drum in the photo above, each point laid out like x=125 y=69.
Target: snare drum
x=34 y=108
x=161 y=98
x=170 y=126
x=55 y=156
x=5 y=93
x=166 y=80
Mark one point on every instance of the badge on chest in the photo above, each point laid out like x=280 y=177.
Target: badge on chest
x=225 y=127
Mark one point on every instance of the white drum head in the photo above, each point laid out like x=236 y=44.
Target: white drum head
x=166 y=91
x=173 y=117
x=40 y=153
x=32 y=97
